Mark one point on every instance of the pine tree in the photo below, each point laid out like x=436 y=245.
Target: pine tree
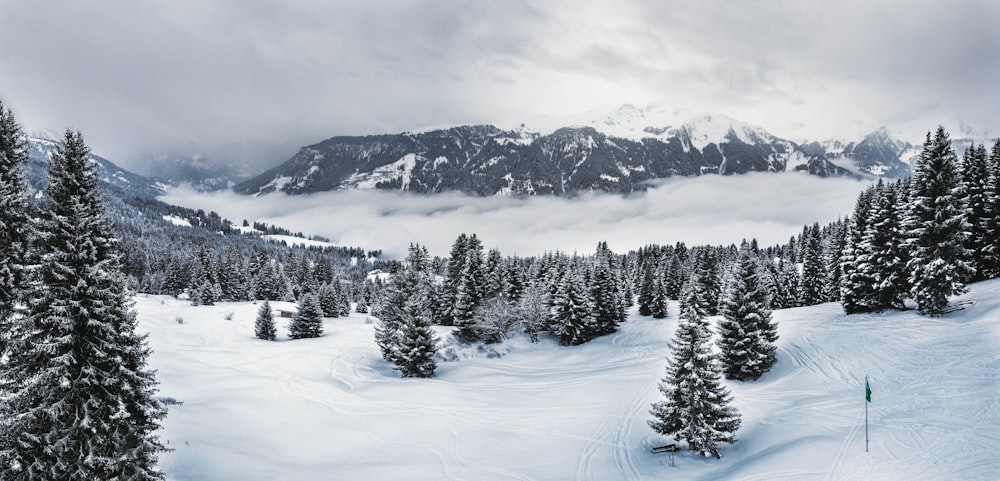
x=572 y=319
x=976 y=197
x=14 y=230
x=746 y=331
x=696 y=408
x=658 y=306
x=608 y=303
x=468 y=296
x=647 y=289
x=308 y=321
x=939 y=264
x=329 y=300
x=414 y=356
x=990 y=261
x=77 y=399
x=264 y=327
x=811 y=282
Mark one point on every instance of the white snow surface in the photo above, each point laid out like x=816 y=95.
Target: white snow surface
x=178 y=221
x=297 y=241
x=331 y=408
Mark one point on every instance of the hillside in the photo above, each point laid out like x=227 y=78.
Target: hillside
x=330 y=408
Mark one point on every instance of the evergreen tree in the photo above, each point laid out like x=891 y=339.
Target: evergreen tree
x=14 y=230
x=746 y=331
x=264 y=327
x=403 y=333
x=990 y=260
x=77 y=399
x=414 y=356
x=939 y=264
x=647 y=289
x=886 y=257
x=609 y=310
x=976 y=197
x=308 y=321
x=811 y=282
x=696 y=408
x=329 y=300
x=572 y=320
x=658 y=306
x=468 y=297
x=856 y=285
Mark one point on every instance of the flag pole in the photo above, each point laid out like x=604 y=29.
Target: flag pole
x=867 y=400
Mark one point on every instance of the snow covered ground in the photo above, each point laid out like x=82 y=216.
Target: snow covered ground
x=330 y=408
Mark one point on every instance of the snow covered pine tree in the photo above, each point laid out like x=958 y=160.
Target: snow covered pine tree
x=264 y=327
x=697 y=407
x=14 y=231
x=78 y=401
x=308 y=322
x=936 y=228
x=746 y=331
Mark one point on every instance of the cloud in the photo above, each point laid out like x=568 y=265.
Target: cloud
x=718 y=210
x=143 y=77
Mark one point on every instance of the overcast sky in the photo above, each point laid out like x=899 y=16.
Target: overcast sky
x=264 y=77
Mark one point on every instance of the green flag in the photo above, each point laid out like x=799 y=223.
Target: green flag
x=868 y=391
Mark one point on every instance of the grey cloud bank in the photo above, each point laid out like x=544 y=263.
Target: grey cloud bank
x=258 y=79
x=701 y=210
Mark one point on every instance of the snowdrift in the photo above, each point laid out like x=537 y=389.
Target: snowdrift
x=331 y=408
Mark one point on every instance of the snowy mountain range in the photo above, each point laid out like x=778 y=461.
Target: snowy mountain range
x=117 y=182
x=621 y=152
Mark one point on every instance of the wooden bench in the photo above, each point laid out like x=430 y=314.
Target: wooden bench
x=667 y=448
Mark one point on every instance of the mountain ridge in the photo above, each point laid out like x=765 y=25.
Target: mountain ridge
x=488 y=160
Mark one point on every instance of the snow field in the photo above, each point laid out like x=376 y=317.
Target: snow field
x=331 y=408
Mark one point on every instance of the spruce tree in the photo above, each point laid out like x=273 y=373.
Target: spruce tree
x=936 y=230
x=77 y=400
x=608 y=309
x=976 y=197
x=308 y=321
x=414 y=356
x=468 y=296
x=696 y=408
x=746 y=331
x=813 y=275
x=990 y=261
x=264 y=327
x=658 y=306
x=572 y=319
x=14 y=226
x=647 y=288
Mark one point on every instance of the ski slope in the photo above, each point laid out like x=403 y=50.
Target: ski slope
x=332 y=409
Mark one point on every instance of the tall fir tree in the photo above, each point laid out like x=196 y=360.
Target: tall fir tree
x=976 y=179
x=746 y=331
x=697 y=406
x=78 y=400
x=990 y=261
x=14 y=225
x=936 y=228
x=813 y=274
x=605 y=290
x=572 y=318
x=264 y=327
x=647 y=288
x=308 y=321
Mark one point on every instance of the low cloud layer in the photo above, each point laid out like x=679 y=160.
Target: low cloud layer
x=701 y=210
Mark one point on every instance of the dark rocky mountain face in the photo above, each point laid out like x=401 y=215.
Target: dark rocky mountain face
x=486 y=160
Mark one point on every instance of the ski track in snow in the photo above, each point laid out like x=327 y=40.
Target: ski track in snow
x=331 y=408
